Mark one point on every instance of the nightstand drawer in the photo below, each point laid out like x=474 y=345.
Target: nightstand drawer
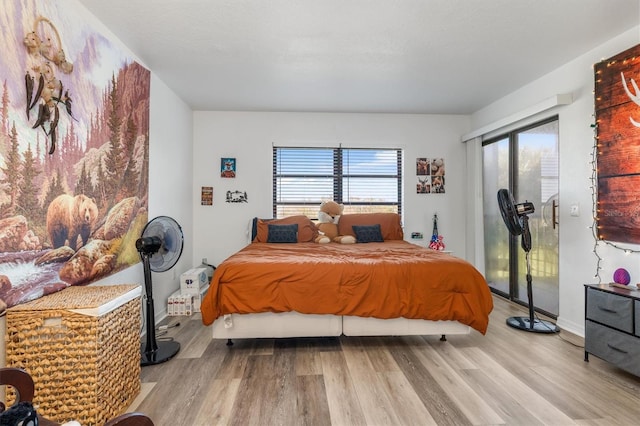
x=637 y=306
x=610 y=309
x=617 y=348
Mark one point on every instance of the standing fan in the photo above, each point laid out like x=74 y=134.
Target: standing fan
x=160 y=247
x=516 y=218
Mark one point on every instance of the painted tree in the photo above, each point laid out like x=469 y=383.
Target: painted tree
x=28 y=199
x=11 y=171
x=114 y=160
x=84 y=184
x=55 y=189
x=4 y=109
x=129 y=177
x=144 y=169
x=100 y=190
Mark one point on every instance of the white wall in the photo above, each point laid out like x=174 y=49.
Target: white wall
x=220 y=230
x=577 y=260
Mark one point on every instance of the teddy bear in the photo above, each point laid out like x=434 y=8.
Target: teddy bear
x=327 y=225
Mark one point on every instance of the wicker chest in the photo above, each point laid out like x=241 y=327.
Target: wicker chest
x=81 y=345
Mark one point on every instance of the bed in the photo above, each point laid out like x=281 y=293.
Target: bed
x=382 y=286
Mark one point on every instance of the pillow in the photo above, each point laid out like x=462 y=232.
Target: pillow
x=282 y=233
x=390 y=226
x=368 y=233
x=307 y=231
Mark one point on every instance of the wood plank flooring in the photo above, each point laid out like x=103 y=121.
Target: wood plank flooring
x=506 y=377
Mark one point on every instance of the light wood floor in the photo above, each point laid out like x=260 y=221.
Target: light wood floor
x=505 y=377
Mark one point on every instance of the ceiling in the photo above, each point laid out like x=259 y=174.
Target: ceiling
x=395 y=56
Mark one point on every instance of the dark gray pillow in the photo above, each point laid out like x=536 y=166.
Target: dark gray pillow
x=283 y=233
x=368 y=233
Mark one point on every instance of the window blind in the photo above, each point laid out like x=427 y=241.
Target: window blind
x=363 y=179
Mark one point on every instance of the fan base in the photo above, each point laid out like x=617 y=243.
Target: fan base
x=166 y=350
x=539 y=326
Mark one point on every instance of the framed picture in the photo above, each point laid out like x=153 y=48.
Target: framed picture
x=207 y=196
x=237 y=197
x=423 y=167
x=423 y=185
x=437 y=167
x=228 y=167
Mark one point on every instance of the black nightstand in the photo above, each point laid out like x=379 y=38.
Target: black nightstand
x=612 y=325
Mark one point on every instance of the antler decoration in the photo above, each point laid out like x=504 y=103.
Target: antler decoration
x=42 y=59
x=635 y=98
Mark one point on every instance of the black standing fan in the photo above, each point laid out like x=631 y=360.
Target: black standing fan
x=160 y=247
x=516 y=218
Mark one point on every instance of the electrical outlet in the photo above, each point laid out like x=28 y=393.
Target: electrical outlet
x=575 y=210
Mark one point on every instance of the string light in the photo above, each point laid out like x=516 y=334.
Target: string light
x=594 y=202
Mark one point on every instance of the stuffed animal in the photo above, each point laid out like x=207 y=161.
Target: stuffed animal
x=328 y=218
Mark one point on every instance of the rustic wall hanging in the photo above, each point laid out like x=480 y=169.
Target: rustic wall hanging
x=617 y=113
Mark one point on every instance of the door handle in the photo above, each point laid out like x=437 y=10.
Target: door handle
x=554 y=215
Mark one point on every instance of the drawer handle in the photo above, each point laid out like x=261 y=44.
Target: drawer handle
x=616 y=349
x=602 y=308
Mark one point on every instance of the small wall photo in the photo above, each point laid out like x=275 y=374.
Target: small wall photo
x=227 y=167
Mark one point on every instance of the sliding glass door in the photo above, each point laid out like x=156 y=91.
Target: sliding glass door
x=526 y=162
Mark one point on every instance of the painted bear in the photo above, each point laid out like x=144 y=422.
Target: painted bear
x=69 y=217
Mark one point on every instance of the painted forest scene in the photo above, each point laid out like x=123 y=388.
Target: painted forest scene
x=74 y=149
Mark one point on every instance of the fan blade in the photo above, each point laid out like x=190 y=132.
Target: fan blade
x=170 y=240
x=508 y=212
x=168 y=234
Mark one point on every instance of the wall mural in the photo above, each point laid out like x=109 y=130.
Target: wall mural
x=74 y=152
x=617 y=112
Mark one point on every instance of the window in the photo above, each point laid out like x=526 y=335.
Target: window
x=364 y=180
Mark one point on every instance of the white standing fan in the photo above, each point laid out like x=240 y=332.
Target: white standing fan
x=516 y=218
x=160 y=247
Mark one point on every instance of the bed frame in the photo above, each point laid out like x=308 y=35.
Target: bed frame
x=294 y=324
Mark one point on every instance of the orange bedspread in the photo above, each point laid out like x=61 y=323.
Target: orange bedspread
x=383 y=280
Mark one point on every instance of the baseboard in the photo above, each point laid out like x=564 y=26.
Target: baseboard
x=571 y=327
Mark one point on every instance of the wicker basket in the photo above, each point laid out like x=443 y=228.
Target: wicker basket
x=82 y=347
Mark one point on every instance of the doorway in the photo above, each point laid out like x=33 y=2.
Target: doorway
x=526 y=162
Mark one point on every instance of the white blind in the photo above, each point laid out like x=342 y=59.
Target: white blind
x=363 y=179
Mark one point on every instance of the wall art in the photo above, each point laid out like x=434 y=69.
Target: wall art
x=237 y=197
x=617 y=113
x=228 y=167
x=206 y=197
x=430 y=175
x=74 y=128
